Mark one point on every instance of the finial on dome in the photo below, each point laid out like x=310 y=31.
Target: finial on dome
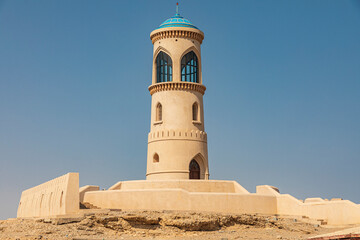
x=177 y=8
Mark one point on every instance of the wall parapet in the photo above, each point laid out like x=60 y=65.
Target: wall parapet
x=56 y=197
x=178 y=33
x=172 y=86
x=177 y=135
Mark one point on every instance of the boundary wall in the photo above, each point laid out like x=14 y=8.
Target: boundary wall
x=333 y=212
x=85 y=189
x=56 y=197
x=181 y=200
x=61 y=196
x=189 y=195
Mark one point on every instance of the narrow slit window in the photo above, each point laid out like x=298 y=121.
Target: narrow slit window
x=195 y=112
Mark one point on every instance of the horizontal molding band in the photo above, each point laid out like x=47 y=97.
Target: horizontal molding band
x=177 y=34
x=173 y=86
x=176 y=139
x=168 y=171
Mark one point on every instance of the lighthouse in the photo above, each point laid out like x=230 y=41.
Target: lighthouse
x=177 y=142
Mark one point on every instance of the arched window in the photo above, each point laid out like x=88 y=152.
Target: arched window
x=190 y=68
x=195 y=112
x=158 y=112
x=194 y=170
x=156 y=158
x=163 y=68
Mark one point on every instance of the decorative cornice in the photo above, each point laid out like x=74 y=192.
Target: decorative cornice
x=173 y=86
x=177 y=134
x=174 y=33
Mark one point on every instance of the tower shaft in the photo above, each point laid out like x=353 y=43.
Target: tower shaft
x=177 y=142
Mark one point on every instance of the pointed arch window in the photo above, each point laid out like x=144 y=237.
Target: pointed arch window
x=195 y=112
x=163 y=68
x=158 y=112
x=190 y=68
x=194 y=170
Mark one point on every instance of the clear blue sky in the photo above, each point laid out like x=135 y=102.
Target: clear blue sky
x=282 y=105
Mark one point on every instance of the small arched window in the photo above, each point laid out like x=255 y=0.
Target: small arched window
x=195 y=112
x=163 y=68
x=158 y=112
x=190 y=68
x=156 y=158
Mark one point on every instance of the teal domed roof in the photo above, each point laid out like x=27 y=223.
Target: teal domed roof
x=177 y=21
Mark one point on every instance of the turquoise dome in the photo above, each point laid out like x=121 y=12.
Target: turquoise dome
x=177 y=21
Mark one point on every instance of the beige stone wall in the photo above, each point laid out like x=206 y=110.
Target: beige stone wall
x=177 y=110
x=60 y=196
x=193 y=195
x=337 y=212
x=85 y=189
x=175 y=155
x=55 y=197
x=220 y=196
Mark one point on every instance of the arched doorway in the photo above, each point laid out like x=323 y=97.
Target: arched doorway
x=194 y=169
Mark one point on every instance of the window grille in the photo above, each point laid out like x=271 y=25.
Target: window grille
x=163 y=68
x=190 y=68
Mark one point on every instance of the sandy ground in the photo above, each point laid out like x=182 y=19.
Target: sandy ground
x=111 y=225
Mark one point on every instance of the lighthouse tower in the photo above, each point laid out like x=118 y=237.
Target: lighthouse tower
x=177 y=142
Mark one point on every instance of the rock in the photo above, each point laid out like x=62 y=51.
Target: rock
x=191 y=224
x=124 y=224
x=60 y=221
x=105 y=220
x=81 y=228
x=116 y=226
x=141 y=220
x=88 y=222
x=47 y=220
